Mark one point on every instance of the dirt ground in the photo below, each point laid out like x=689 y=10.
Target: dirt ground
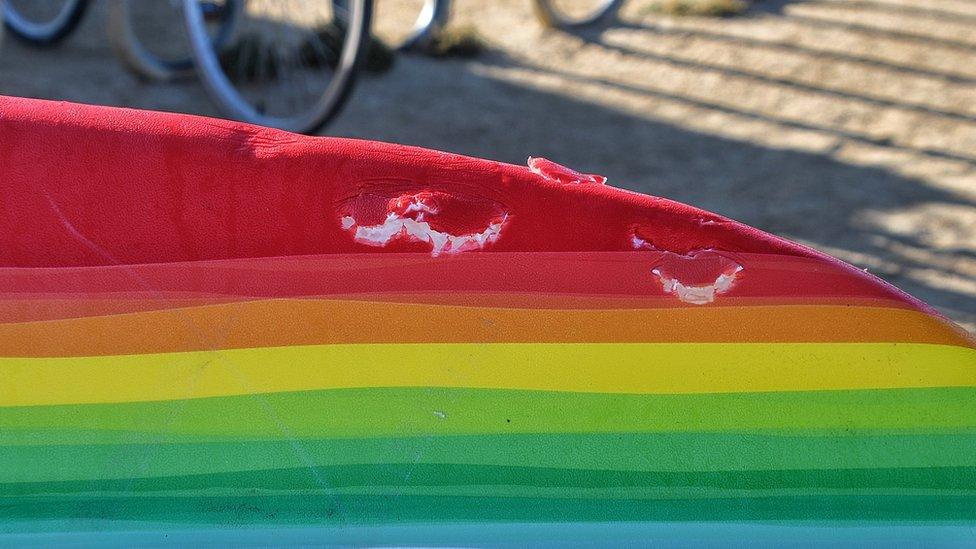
x=849 y=125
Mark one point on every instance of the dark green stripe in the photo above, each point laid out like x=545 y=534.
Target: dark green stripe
x=410 y=475
x=305 y=509
x=628 y=451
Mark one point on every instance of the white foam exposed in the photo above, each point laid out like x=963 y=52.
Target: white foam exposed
x=420 y=207
x=698 y=295
x=396 y=226
x=639 y=243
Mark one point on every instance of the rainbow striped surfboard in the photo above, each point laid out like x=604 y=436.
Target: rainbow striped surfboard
x=211 y=332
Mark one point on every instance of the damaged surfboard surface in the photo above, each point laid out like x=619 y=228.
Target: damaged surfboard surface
x=217 y=333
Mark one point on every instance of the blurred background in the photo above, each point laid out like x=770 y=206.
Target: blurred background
x=848 y=125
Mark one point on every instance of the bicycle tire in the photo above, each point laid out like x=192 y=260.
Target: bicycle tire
x=49 y=33
x=332 y=98
x=431 y=20
x=145 y=63
x=552 y=16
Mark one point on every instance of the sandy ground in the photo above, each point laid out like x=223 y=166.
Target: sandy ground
x=849 y=125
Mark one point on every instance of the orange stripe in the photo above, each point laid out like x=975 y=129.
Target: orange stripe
x=54 y=307
x=284 y=322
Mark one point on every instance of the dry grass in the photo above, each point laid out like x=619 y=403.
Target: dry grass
x=701 y=8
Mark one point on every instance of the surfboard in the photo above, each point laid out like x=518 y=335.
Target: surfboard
x=212 y=332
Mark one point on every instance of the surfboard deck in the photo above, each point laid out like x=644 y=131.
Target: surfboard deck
x=213 y=332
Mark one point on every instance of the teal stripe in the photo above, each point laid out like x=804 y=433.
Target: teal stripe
x=811 y=534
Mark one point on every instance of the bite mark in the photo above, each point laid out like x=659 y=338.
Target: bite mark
x=698 y=295
x=399 y=225
x=692 y=267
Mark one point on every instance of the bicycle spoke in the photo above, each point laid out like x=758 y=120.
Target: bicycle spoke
x=283 y=71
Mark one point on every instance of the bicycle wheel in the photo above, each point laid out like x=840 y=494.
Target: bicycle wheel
x=570 y=14
x=150 y=37
x=292 y=64
x=409 y=24
x=43 y=22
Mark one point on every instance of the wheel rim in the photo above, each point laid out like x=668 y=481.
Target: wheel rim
x=240 y=97
x=395 y=23
x=39 y=29
x=132 y=27
x=572 y=12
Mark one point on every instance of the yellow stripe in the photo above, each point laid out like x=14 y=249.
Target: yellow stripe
x=603 y=368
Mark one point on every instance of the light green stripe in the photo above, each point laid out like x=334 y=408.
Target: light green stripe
x=363 y=413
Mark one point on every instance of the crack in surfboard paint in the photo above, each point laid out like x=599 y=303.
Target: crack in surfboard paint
x=152 y=450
